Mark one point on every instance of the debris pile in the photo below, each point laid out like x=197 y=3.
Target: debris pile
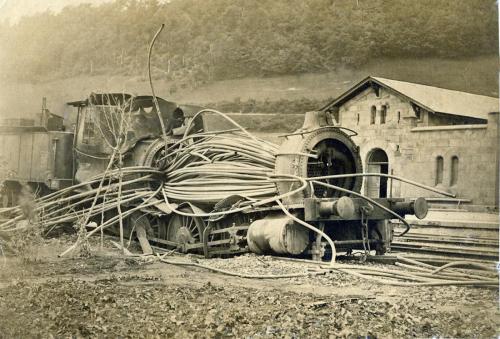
x=95 y=197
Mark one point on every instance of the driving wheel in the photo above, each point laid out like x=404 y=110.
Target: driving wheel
x=186 y=231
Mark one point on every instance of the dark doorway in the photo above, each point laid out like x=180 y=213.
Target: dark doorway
x=377 y=162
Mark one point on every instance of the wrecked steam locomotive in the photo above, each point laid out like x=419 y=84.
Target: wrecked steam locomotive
x=315 y=176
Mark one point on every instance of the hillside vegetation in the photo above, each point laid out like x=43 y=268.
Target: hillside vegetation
x=212 y=40
x=279 y=94
x=281 y=56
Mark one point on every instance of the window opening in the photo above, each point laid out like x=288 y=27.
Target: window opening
x=454 y=170
x=372 y=115
x=88 y=132
x=383 y=114
x=439 y=170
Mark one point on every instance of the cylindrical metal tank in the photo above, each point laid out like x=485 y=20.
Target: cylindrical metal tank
x=277 y=234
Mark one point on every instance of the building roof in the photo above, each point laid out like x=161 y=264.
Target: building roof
x=433 y=99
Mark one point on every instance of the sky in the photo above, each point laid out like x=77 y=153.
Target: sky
x=12 y=10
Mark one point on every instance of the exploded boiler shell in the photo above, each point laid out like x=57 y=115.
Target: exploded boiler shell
x=277 y=234
x=318 y=152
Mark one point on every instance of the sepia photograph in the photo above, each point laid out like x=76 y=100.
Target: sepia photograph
x=249 y=169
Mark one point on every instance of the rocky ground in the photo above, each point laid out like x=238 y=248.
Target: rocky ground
x=108 y=295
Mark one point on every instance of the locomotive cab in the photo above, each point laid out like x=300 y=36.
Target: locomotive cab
x=104 y=120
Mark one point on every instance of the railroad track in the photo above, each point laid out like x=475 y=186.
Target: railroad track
x=459 y=240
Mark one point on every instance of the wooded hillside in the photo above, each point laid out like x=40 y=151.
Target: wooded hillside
x=223 y=39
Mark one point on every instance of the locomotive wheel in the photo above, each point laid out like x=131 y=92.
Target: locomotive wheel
x=154 y=225
x=184 y=230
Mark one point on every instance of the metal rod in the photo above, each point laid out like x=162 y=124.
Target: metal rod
x=414 y=183
x=155 y=100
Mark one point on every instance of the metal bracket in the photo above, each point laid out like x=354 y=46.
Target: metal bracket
x=366 y=210
x=318 y=247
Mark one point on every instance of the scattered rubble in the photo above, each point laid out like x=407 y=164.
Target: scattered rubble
x=109 y=295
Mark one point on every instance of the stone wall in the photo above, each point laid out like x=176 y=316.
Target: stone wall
x=413 y=145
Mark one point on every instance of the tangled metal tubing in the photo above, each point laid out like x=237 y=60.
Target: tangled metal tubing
x=205 y=168
x=416 y=273
x=69 y=205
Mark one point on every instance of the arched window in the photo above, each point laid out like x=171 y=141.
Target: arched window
x=373 y=115
x=383 y=114
x=357 y=120
x=454 y=170
x=399 y=116
x=439 y=170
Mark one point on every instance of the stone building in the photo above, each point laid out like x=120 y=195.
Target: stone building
x=439 y=137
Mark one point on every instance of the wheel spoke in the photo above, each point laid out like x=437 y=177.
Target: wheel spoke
x=187 y=224
x=193 y=228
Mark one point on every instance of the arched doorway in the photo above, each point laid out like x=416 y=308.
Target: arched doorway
x=377 y=162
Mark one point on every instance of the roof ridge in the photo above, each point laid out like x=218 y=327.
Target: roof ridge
x=431 y=86
x=432 y=98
